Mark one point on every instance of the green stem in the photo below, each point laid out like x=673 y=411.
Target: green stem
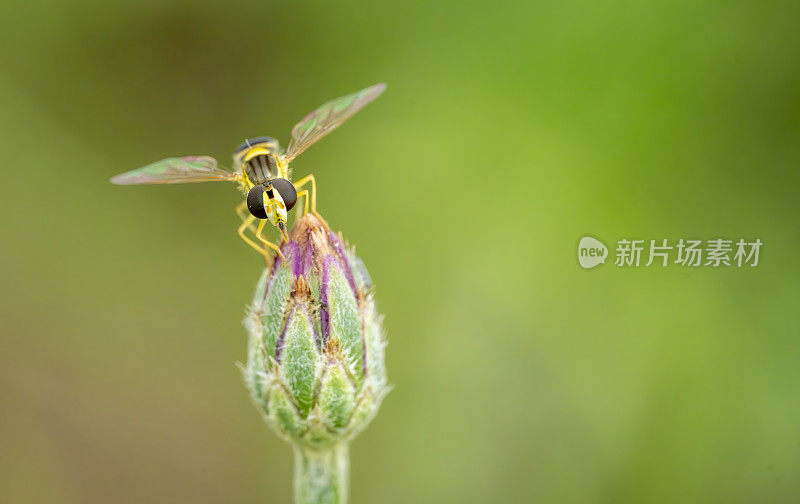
x=321 y=476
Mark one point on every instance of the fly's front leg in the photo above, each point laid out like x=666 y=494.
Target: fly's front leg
x=240 y=208
x=300 y=194
x=300 y=183
x=248 y=221
x=241 y=211
x=267 y=242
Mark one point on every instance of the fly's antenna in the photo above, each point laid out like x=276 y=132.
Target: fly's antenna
x=247 y=141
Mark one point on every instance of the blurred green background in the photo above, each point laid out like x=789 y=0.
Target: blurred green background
x=508 y=131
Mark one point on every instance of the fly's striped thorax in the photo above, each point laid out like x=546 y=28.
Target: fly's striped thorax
x=259 y=164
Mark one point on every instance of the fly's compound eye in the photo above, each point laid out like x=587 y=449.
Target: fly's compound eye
x=287 y=191
x=255 y=202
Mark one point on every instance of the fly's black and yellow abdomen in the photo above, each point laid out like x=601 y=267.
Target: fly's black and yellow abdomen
x=262 y=141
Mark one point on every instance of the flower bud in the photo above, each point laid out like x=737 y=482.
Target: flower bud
x=315 y=361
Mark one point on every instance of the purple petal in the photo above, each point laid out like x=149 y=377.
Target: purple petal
x=296 y=260
x=348 y=273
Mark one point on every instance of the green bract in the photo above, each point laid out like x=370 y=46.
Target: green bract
x=315 y=365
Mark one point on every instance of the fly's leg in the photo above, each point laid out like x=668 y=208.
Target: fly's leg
x=267 y=242
x=300 y=183
x=241 y=211
x=246 y=224
x=300 y=194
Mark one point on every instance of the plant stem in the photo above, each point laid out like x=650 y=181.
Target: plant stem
x=321 y=476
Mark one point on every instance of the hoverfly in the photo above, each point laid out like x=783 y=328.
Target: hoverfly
x=261 y=169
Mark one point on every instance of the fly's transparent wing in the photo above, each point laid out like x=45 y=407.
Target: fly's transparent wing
x=175 y=171
x=328 y=117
